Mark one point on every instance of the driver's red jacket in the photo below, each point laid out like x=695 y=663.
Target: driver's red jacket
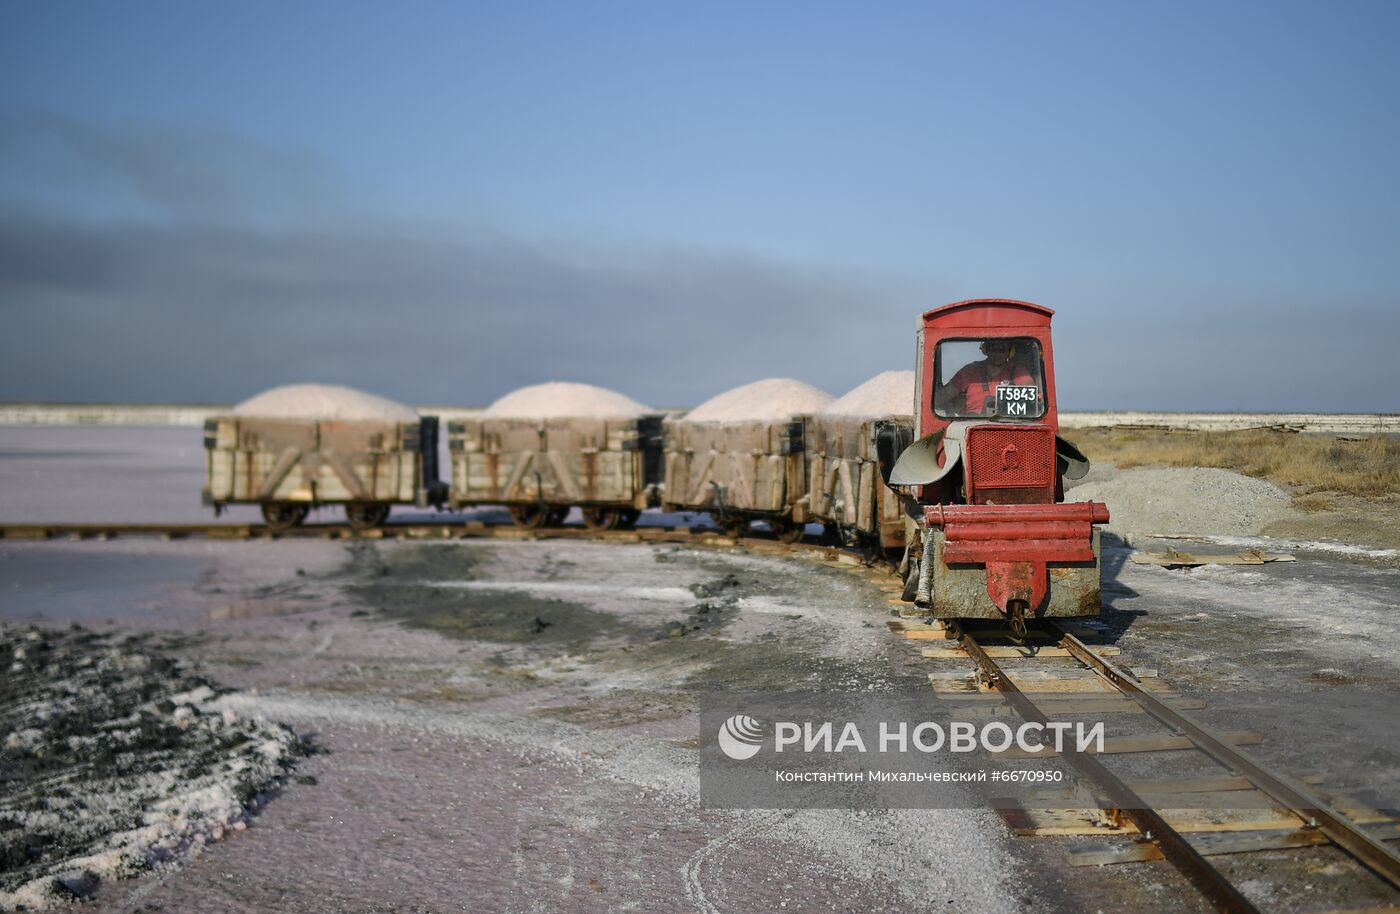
x=976 y=386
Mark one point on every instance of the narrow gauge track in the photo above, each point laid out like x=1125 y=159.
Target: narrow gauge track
x=1318 y=815
x=1292 y=795
x=435 y=529
x=456 y=529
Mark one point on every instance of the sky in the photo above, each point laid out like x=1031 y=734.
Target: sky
x=441 y=202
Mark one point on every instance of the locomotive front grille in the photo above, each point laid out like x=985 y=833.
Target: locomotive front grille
x=1010 y=457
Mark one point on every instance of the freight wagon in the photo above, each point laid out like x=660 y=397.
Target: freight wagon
x=290 y=463
x=543 y=450
x=741 y=457
x=540 y=468
x=850 y=459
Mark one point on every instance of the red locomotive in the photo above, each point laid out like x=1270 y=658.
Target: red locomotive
x=989 y=533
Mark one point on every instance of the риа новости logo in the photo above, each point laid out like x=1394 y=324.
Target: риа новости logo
x=741 y=737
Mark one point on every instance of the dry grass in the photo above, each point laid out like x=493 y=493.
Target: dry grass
x=1312 y=464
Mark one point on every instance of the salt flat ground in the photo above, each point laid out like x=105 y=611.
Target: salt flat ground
x=511 y=725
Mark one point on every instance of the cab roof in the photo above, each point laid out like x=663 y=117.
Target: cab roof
x=990 y=313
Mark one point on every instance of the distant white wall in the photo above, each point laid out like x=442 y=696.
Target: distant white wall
x=1329 y=423
x=152 y=413
x=194 y=415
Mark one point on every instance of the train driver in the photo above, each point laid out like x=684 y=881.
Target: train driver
x=972 y=391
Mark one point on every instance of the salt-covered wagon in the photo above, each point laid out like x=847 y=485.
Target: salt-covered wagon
x=294 y=448
x=545 y=449
x=741 y=456
x=851 y=445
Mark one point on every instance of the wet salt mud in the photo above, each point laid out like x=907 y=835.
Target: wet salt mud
x=104 y=474
x=42 y=583
x=119 y=475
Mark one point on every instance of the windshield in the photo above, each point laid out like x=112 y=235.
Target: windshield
x=998 y=378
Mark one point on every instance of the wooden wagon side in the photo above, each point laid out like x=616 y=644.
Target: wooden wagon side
x=540 y=468
x=847 y=483
x=738 y=471
x=288 y=466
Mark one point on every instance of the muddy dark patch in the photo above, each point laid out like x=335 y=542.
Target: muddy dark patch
x=624 y=708
x=707 y=618
x=708 y=664
x=101 y=732
x=773 y=666
x=728 y=585
x=718 y=606
x=487 y=615
x=400 y=584
x=451 y=562
x=556 y=568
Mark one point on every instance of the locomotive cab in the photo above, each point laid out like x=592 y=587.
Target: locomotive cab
x=986 y=472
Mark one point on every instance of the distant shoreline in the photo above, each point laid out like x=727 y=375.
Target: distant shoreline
x=194 y=414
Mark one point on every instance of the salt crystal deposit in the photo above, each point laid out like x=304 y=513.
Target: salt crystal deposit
x=117 y=759
x=564 y=399
x=1186 y=500
x=889 y=393
x=323 y=401
x=767 y=400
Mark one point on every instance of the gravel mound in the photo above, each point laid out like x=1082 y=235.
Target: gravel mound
x=889 y=393
x=768 y=400
x=564 y=399
x=323 y=401
x=1186 y=500
x=113 y=761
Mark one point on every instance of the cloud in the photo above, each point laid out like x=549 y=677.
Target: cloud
x=188 y=313
x=160 y=173
x=157 y=313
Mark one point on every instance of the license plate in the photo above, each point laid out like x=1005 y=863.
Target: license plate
x=1016 y=401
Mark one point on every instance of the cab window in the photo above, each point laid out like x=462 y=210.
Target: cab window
x=988 y=378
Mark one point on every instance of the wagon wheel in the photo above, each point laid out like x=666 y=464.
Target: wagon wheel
x=282 y=516
x=627 y=518
x=911 y=580
x=366 y=516
x=733 y=525
x=557 y=516
x=601 y=518
x=787 y=530
x=531 y=517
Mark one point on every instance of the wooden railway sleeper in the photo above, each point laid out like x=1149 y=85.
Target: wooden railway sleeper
x=1210 y=882
x=1311 y=809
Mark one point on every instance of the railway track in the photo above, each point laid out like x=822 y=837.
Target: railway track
x=1059 y=651
x=756 y=541
x=1315 y=820
x=438 y=529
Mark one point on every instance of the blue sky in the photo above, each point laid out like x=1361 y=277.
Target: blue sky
x=439 y=202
